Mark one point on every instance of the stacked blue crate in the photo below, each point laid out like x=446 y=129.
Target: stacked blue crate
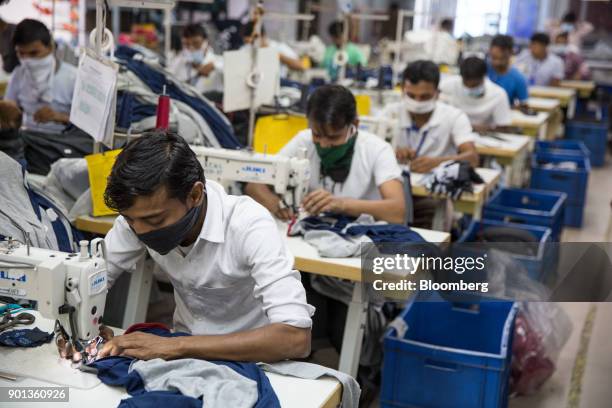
x=573 y=182
x=592 y=129
x=527 y=206
x=450 y=356
x=537 y=265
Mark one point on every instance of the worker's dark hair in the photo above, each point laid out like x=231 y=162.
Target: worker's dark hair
x=332 y=105
x=569 y=17
x=541 y=38
x=447 y=24
x=194 y=30
x=505 y=42
x=29 y=31
x=156 y=159
x=473 y=68
x=336 y=29
x=422 y=70
x=247 y=29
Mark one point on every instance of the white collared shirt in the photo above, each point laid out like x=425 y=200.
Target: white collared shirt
x=447 y=129
x=373 y=164
x=493 y=108
x=238 y=276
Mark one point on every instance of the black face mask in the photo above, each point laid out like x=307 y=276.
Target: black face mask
x=165 y=239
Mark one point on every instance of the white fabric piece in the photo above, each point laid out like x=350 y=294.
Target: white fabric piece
x=218 y=385
x=373 y=164
x=493 y=108
x=331 y=245
x=238 y=276
x=447 y=129
x=350 y=388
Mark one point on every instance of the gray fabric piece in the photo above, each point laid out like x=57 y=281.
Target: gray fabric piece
x=17 y=217
x=218 y=385
x=331 y=245
x=350 y=388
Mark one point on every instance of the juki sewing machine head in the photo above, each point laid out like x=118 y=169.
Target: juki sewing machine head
x=289 y=176
x=70 y=287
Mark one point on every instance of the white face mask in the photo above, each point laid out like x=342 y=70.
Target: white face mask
x=475 y=93
x=414 y=106
x=41 y=71
x=197 y=56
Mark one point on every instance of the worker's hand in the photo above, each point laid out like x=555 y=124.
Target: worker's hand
x=46 y=114
x=282 y=212
x=143 y=346
x=10 y=115
x=482 y=128
x=205 y=69
x=424 y=164
x=320 y=200
x=404 y=154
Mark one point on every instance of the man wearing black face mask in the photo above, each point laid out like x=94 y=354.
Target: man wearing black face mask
x=234 y=286
x=351 y=172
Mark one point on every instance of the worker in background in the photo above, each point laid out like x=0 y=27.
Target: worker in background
x=575 y=65
x=540 y=66
x=484 y=102
x=575 y=29
x=197 y=64
x=234 y=285
x=442 y=47
x=41 y=87
x=429 y=132
x=289 y=59
x=7 y=50
x=351 y=172
x=501 y=72
x=352 y=53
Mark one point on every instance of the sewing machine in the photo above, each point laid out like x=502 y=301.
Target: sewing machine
x=289 y=176
x=70 y=287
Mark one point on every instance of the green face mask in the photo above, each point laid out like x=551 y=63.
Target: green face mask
x=336 y=160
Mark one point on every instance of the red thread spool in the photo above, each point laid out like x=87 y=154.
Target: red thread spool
x=163 y=111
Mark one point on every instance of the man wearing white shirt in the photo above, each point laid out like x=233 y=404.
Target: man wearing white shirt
x=540 y=66
x=427 y=131
x=234 y=285
x=484 y=102
x=351 y=172
x=197 y=64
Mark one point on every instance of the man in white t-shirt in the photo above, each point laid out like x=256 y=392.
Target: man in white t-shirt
x=289 y=59
x=427 y=131
x=197 y=63
x=41 y=87
x=351 y=172
x=484 y=102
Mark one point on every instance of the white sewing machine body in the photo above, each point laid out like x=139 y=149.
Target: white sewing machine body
x=289 y=176
x=59 y=282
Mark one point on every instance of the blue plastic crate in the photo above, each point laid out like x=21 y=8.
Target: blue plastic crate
x=525 y=206
x=572 y=182
x=562 y=148
x=594 y=135
x=535 y=265
x=450 y=356
x=574 y=214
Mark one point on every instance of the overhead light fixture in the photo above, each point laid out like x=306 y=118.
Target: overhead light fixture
x=145 y=4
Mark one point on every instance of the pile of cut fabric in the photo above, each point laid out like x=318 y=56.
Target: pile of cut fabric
x=191 y=383
x=452 y=178
x=194 y=117
x=341 y=236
